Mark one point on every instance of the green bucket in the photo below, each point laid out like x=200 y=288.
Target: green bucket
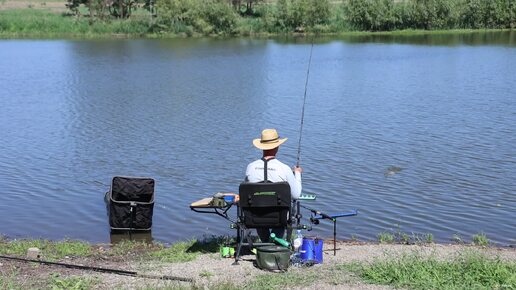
x=273 y=258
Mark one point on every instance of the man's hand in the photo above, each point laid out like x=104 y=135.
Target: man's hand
x=298 y=169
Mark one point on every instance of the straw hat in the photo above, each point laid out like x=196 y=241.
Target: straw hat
x=269 y=140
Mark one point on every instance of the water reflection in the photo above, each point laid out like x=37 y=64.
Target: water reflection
x=504 y=38
x=135 y=236
x=475 y=38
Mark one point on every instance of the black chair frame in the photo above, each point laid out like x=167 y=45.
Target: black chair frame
x=262 y=205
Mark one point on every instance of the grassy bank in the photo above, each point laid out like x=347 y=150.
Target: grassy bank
x=31 y=23
x=41 y=24
x=177 y=18
x=56 y=250
x=425 y=266
x=469 y=270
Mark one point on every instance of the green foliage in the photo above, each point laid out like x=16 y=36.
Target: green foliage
x=39 y=23
x=480 y=240
x=246 y=7
x=8 y=281
x=386 y=15
x=229 y=17
x=430 y=14
x=49 y=250
x=301 y=14
x=101 y=9
x=373 y=15
x=417 y=238
x=467 y=271
x=404 y=238
x=386 y=238
x=488 y=13
x=71 y=283
x=201 y=16
x=285 y=280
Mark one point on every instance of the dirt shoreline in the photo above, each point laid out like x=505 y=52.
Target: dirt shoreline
x=209 y=271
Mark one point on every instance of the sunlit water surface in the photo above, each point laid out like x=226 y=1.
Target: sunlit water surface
x=184 y=111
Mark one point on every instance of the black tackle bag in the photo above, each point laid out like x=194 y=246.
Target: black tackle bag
x=130 y=203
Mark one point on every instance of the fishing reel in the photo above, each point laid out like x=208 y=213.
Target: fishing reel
x=314 y=221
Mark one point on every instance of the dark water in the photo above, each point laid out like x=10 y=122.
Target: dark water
x=443 y=108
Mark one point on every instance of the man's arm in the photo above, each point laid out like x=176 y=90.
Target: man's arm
x=294 y=180
x=247 y=173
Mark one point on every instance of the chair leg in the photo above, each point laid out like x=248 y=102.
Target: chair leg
x=240 y=233
x=289 y=233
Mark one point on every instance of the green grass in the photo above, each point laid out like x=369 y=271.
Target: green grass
x=405 y=238
x=283 y=280
x=480 y=240
x=311 y=277
x=18 y=23
x=71 y=283
x=42 y=23
x=9 y=281
x=187 y=251
x=49 y=250
x=386 y=238
x=469 y=270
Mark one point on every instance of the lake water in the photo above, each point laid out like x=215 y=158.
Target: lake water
x=74 y=113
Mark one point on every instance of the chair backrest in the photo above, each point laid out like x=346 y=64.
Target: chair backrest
x=265 y=205
x=140 y=189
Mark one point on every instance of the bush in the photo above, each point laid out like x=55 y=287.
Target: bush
x=385 y=15
x=373 y=15
x=209 y=16
x=301 y=14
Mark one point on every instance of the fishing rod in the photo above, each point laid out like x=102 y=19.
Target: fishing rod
x=102 y=270
x=304 y=102
x=333 y=217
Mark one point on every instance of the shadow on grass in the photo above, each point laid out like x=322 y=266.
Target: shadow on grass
x=209 y=244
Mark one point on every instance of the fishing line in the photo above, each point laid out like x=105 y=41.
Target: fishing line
x=304 y=102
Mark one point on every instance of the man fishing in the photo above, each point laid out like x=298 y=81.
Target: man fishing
x=277 y=171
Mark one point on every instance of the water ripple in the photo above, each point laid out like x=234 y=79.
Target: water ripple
x=185 y=112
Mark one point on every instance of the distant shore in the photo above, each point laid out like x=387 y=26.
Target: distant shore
x=356 y=266
x=40 y=19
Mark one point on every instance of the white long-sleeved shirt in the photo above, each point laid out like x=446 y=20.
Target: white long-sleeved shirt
x=276 y=172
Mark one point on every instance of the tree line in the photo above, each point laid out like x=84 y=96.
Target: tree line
x=325 y=16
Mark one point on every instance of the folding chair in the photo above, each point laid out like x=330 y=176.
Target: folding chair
x=262 y=205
